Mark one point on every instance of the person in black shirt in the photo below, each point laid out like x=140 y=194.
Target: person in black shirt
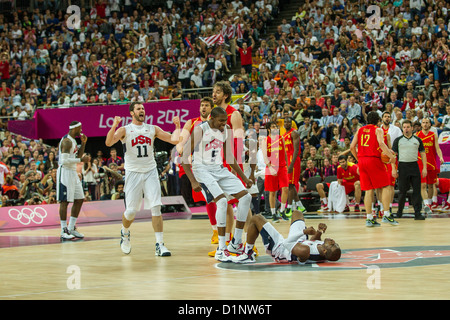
x=16 y=159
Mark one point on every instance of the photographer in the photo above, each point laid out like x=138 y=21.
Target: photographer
x=35 y=199
x=119 y=193
x=10 y=193
x=31 y=185
x=108 y=176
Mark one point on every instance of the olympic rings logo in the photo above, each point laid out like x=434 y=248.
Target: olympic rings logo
x=27 y=215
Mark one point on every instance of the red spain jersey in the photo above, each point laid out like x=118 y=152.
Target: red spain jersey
x=367 y=142
x=429 y=143
x=289 y=142
x=275 y=151
x=349 y=175
x=230 y=111
x=194 y=122
x=385 y=133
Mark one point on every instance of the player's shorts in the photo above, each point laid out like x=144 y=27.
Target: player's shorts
x=373 y=173
x=142 y=186
x=197 y=196
x=68 y=185
x=273 y=183
x=294 y=177
x=217 y=181
x=431 y=177
x=444 y=185
x=273 y=242
x=389 y=168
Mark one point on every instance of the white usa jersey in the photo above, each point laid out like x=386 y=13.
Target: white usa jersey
x=138 y=148
x=209 y=152
x=72 y=153
x=314 y=255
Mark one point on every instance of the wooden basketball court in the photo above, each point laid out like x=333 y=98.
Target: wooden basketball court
x=410 y=261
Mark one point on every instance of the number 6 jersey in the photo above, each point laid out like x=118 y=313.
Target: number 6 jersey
x=138 y=148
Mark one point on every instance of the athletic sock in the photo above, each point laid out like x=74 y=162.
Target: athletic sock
x=159 y=237
x=72 y=222
x=222 y=242
x=238 y=235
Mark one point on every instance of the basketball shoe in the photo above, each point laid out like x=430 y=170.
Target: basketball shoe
x=125 y=244
x=223 y=255
x=76 y=234
x=161 y=250
x=389 y=220
x=246 y=257
x=372 y=223
x=65 y=235
x=235 y=248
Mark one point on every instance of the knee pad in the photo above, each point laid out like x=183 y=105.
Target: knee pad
x=243 y=207
x=129 y=214
x=221 y=212
x=156 y=211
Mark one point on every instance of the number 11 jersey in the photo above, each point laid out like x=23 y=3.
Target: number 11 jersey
x=138 y=148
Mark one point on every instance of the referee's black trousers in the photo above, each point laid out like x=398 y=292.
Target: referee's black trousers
x=409 y=175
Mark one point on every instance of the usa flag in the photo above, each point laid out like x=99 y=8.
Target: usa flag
x=212 y=40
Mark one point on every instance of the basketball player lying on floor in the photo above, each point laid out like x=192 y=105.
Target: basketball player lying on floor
x=298 y=246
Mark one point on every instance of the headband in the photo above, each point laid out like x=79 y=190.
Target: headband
x=75 y=126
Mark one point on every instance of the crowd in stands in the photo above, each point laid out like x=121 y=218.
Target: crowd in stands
x=326 y=67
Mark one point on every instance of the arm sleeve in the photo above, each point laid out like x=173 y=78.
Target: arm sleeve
x=66 y=160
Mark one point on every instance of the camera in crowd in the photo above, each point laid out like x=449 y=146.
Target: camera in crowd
x=162 y=160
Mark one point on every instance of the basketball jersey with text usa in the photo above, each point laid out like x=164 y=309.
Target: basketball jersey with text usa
x=209 y=152
x=138 y=148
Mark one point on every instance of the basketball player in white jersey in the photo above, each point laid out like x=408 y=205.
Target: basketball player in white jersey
x=141 y=174
x=297 y=247
x=68 y=185
x=209 y=145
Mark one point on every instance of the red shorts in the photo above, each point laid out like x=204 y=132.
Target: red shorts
x=275 y=183
x=444 y=185
x=197 y=196
x=431 y=178
x=389 y=168
x=294 y=177
x=373 y=173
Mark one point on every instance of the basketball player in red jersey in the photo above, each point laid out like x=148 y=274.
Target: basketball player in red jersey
x=388 y=131
x=276 y=177
x=206 y=105
x=292 y=142
x=433 y=151
x=365 y=147
x=221 y=97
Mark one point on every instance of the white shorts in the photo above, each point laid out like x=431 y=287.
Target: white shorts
x=216 y=182
x=273 y=242
x=68 y=185
x=142 y=186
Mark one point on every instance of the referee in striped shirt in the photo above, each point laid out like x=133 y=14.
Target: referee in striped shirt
x=407 y=148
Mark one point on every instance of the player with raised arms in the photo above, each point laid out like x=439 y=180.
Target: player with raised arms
x=141 y=174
